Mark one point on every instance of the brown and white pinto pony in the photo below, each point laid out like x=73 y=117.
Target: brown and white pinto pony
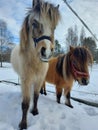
x=30 y=57
x=67 y=68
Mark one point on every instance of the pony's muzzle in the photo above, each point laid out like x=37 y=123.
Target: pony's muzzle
x=46 y=52
x=85 y=81
x=43 y=51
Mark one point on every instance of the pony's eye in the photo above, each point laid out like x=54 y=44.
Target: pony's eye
x=41 y=29
x=35 y=25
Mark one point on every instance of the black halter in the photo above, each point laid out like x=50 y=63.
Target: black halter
x=36 y=40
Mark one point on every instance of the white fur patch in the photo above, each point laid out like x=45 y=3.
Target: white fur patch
x=48 y=48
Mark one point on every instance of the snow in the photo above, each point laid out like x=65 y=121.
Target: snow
x=52 y=116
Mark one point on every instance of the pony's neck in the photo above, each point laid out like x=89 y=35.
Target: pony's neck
x=67 y=70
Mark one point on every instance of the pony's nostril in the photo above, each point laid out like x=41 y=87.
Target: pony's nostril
x=85 y=81
x=43 y=51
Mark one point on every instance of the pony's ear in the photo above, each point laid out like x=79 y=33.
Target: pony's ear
x=35 y=2
x=71 y=48
x=57 y=6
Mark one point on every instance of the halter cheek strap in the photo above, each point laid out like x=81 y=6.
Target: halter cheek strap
x=36 y=40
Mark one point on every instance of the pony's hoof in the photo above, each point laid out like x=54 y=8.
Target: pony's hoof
x=69 y=105
x=45 y=93
x=41 y=92
x=58 y=101
x=35 y=112
x=22 y=125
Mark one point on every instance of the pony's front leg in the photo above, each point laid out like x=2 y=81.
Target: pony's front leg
x=23 y=123
x=25 y=105
x=68 y=102
x=58 y=93
x=34 y=111
x=37 y=87
x=45 y=93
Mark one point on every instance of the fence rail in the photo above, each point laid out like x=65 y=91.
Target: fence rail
x=73 y=98
x=5 y=81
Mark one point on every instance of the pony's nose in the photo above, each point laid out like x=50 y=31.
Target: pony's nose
x=85 y=81
x=43 y=51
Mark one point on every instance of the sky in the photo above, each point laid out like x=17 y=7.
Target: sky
x=52 y=116
x=13 y=12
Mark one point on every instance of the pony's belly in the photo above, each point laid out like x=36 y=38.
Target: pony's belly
x=50 y=78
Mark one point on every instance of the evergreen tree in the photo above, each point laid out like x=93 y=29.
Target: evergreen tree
x=90 y=43
x=75 y=37
x=57 y=47
x=96 y=56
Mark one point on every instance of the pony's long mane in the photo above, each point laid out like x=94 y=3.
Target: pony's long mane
x=60 y=65
x=68 y=65
x=83 y=54
x=24 y=32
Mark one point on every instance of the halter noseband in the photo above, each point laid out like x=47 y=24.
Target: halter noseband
x=77 y=73
x=36 y=40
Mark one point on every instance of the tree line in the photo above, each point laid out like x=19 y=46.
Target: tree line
x=6 y=44
x=81 y=40
x=74 y=38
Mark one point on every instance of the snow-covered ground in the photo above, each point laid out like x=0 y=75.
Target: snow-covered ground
x=52 y=116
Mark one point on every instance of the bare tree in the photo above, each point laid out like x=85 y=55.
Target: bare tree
x=75 y=37
x=72 y=37
x=3 y=28
x=69 y=38
x=5 y=37
x=82 y=36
